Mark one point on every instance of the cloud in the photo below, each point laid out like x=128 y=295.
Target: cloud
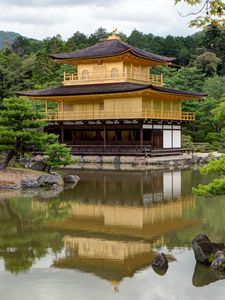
x=42 y=18
x=52 y=3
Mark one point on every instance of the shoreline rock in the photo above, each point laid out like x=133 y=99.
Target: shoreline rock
x=71 y=179
x=48 y=180
x=209 y=253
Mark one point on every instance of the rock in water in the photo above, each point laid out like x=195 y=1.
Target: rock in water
x=203 y=248
x=28 y=183
x=218 y=263
x=48 y=180
x=71 y=179
x=160 y=261
x=219 y=253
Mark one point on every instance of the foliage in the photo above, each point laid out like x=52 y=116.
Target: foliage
x=58 y=155
x=215 y=87
x=208 y=63
x=24 y=230
x=7 y=38
x=217 y=167
x=217 y=186
x=210 y=12
x=20 y=128
x=187 y=142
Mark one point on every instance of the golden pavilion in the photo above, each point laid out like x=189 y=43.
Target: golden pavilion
x=115 y=103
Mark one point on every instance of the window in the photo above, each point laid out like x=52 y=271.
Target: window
x=85 y=74
x=114 y=73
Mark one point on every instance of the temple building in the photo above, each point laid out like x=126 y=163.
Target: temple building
x=115 y=103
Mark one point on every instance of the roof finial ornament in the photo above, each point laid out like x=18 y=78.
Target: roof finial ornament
x=114 y=35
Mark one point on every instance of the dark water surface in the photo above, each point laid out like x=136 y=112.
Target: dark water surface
x=97 y=241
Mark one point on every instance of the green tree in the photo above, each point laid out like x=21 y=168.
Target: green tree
x=20 y=129
x=77 y=41
x=217 y=186
x=215 y=87
x=98 y=35
x=217 y=168
x=208 y=63
x=208 y=12
x=58 y=155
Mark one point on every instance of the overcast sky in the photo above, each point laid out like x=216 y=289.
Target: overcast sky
x=46 y=18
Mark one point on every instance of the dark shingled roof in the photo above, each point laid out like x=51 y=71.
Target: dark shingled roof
x=106 y=88
x=109 y=48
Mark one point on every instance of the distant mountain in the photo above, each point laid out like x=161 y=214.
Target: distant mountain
x=7 y=37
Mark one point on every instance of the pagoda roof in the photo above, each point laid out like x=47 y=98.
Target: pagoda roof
x=106 y=88
x=109 y=48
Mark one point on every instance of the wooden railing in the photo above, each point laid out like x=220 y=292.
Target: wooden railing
x=104 y=115
x=76 y=78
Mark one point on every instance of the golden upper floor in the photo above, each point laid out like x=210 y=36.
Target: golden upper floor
x=112 y=72
x=111 y=60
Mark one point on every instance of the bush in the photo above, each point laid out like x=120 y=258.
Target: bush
x=58 y=155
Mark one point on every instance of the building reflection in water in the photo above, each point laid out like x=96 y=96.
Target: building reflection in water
x=117 y=220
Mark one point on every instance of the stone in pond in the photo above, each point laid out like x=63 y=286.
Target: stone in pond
x=218 y=264
x=71 y=179
x=203 y=248
x=48 y=180
x=160 y=261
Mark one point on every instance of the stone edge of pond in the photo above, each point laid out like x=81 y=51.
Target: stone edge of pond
x=31 y=180
x=142 y=163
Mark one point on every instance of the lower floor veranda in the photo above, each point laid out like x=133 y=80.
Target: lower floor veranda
x=118 y=137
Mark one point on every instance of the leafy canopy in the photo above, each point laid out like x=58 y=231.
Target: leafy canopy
x=58 y=155
x=20 y=124
x=21 y=128
x=208 y=12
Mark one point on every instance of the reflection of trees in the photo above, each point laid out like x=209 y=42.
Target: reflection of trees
x=24 y=236
x=210 y=212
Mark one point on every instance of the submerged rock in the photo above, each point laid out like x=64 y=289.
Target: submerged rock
x=203 y=275
x=48 y=180
x=71 y=179
x=49 y=193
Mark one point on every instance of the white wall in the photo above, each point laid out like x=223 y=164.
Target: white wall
x=167 y=138
x=171 y=138
x=176 y=138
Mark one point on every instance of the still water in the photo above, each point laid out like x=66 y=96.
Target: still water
x=97 y=240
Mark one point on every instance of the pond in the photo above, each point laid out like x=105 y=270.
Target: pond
x=98 y=239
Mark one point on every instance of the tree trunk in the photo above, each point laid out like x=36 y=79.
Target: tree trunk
x=49 y=169
x=14 y=217
x=7 y=160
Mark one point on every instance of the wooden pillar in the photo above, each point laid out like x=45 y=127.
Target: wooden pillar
x=62 y=135
x=141 y=135
x=104 y=135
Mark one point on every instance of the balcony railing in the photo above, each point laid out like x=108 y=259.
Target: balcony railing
x=104 y=77
x=106 y=115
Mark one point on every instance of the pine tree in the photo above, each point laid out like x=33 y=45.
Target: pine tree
x=21 y=129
